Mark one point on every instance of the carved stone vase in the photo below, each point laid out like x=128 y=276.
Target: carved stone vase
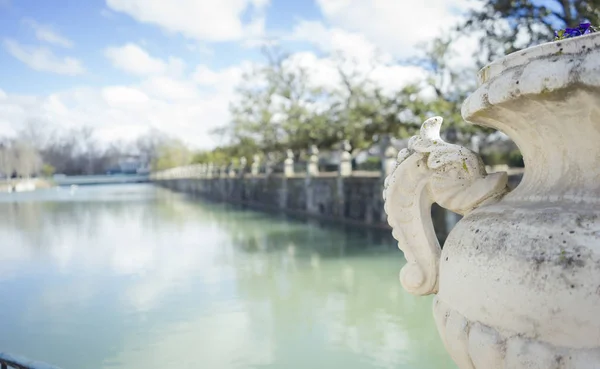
x=518 y=279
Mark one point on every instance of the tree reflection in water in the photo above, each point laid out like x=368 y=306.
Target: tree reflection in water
x=135 y=276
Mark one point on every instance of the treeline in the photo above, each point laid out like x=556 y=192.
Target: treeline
x=40 y=151
x=279 y=107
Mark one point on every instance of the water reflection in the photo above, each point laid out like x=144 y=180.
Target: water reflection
x=135 y=276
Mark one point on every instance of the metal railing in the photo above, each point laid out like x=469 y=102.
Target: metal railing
x=18 y=362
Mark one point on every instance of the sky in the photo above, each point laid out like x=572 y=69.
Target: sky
x=124 y=67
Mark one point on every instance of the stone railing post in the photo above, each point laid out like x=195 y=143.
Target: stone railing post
x=243 y=166
x=255 y=169
x=241 y=183
x=269 y=162
x=344 y=171
x=231 y=171
x=288 y=165
x=210 y=169
x=204 y=170
x=345 y=168
x=312 y=168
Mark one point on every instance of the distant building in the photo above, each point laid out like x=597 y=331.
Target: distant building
x=133 y=164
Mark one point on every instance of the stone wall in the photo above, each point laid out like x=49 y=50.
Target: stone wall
x=351 y=199
x=356 y=199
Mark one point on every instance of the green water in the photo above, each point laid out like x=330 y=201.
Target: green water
x=132 y=276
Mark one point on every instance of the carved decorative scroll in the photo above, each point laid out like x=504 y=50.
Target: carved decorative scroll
x=433 y=171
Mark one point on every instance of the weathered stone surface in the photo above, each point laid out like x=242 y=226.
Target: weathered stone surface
x=518 y=280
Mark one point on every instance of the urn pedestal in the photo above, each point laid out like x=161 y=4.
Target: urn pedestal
x=518 y=280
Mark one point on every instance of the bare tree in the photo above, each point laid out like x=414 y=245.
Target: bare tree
x=7 y=160
x=27 y=160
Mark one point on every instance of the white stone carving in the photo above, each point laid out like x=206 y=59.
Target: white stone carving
x=431 y=170
x=518 y=280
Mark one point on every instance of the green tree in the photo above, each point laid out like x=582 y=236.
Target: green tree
x=48 y=170
x=505 y=26
x=171 y=154
x=278 y=108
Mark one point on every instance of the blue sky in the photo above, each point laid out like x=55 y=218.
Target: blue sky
x=125 y=66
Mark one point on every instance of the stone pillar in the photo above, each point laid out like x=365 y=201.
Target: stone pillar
x=269 y=163
x=345 y=168
x=312 y=168
x=389 y=152
x=210 y=169
x=243 y=166
x=255 y=170
x=241 y=183
x=231 y=172
x=288 y=165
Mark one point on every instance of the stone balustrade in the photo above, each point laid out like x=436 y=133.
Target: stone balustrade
x=343 y=194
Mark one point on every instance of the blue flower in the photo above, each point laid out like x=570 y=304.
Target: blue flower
x=582 y=29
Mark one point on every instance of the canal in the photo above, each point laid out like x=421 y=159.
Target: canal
x=134 y=276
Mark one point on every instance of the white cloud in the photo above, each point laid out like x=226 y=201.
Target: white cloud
x=121 y=96
x=170 y=89
x=43 y=59
x=395 y=26
x=47 y=34
x=201 y=20
x=183 y=107
x=135 y=60
x=222 y=80
x=360 y=57
x=201 y=48
x=334 y=40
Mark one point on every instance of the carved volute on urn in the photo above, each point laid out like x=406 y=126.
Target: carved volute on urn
x=518 y=280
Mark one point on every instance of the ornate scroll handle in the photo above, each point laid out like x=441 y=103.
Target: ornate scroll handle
x=433 y=171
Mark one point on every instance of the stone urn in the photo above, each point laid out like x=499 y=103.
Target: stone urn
x=518 y=279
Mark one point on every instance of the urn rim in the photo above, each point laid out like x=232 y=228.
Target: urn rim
x=538 y=69
x=575 y=45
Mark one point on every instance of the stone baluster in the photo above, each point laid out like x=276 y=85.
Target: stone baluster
x=288 y=169
x=345 y=169
x=243 y=166
x=312 y=168
x=231 y=171
x=255 y=165
x=210 y=168
x=269 y=163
